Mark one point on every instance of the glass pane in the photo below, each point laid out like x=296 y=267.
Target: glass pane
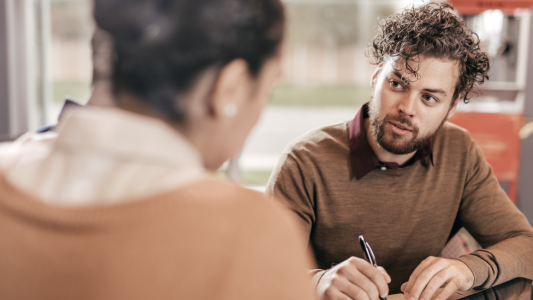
x=326 y=76
x=70 y=61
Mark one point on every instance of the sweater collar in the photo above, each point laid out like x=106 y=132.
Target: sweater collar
x=124 y=134
x=101 y=156
x=363 y=158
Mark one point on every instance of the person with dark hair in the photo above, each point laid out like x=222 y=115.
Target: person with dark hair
x=403 y=177
x=114 y=203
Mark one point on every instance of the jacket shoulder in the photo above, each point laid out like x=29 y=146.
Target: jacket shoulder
x=236 y=201
x=28 y=147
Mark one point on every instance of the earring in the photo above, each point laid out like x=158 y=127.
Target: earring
x=230 y=110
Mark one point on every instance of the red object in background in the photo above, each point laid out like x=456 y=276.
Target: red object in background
x=473 y=7
x=498 y=136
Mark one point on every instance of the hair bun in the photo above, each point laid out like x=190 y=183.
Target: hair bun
x=121 y=18
x=103 y=9
x=161 y=46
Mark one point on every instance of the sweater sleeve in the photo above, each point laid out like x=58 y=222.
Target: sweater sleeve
x=289 y=184
x=495 y=222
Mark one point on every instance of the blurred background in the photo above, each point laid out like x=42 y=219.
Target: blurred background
x=325 y=74
x=45 y=57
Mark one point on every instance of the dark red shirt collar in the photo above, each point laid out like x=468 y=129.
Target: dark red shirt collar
x=362 y=156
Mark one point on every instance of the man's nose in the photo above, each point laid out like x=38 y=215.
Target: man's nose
x=407 y=105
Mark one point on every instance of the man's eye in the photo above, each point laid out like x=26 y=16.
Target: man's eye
x=430 y=98
x=395 y=84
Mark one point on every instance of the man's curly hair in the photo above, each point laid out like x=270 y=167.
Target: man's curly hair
x=432 y=30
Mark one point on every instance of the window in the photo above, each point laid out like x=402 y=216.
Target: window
x=326 y=76
x=70 y=60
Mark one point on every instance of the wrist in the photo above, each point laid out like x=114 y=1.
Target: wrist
x=467 y=273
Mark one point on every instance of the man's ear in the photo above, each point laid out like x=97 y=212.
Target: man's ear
x=230 y=87
x=375 y=75
x=453 y=109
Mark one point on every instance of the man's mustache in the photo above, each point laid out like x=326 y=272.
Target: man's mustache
x=402 y=119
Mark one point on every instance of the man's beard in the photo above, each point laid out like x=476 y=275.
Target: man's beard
x=394 y=144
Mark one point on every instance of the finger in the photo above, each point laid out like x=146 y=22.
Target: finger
x=414 y=276
x=342 y=296
x=354 y=275
x=336 y=294
x=377 y=278
x=384 y=272
x=425 y=276
x=402 y=288
x=449 y=289
x=353 y=291
x=436 y=282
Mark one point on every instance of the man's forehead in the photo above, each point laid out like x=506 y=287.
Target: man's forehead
x=424 y=70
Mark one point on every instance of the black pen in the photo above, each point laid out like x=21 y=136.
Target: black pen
x=369 y=255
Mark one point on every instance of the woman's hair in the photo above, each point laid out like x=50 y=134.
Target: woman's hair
x=161 y=46
x=432 y=30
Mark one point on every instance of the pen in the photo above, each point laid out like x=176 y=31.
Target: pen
x=369 y=255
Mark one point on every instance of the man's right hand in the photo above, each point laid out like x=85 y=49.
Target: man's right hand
x=355 y=279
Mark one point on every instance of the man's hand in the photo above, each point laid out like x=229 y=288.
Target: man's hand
x=434 y=273
x=356 y=279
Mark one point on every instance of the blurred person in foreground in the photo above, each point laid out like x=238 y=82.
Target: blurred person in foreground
x=403 y=177
x=114 y=204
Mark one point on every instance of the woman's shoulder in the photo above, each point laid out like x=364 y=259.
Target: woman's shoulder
x=28 y=147
x=220 y=193
x=228 y=202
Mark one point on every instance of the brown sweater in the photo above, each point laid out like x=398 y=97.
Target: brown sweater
x=207 y=240
x=405 y=214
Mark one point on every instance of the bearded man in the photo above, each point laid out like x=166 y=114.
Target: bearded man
x=403 y=177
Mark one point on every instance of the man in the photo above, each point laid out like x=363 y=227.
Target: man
x=403 y=177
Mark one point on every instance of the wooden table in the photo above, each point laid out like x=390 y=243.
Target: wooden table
x=516 y=289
